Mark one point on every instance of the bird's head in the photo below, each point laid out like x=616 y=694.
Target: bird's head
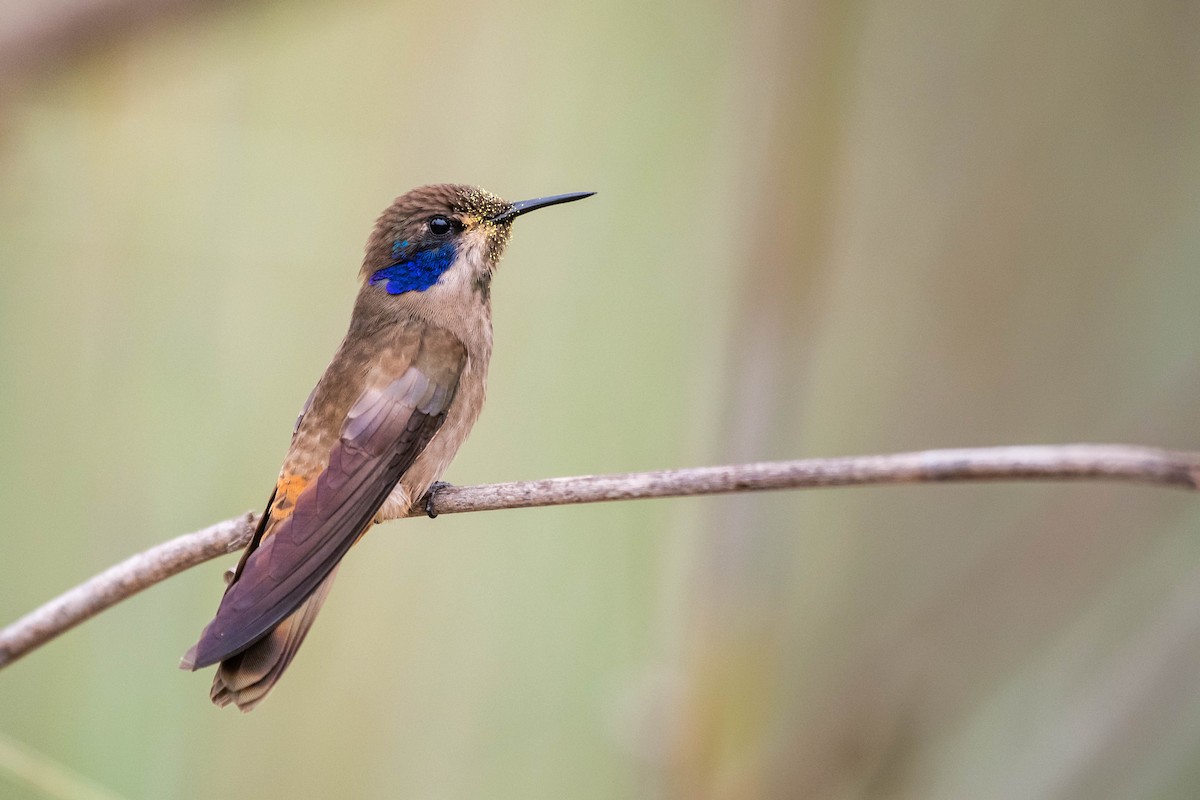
x=443 y=242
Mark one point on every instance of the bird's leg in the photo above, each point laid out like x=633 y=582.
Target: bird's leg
x=433 y=490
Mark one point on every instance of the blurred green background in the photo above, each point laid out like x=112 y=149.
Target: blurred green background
x=822 y=228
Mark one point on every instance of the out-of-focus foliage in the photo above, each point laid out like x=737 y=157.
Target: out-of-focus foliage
x=822 y=228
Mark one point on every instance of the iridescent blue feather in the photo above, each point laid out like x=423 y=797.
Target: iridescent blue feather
x=418 y=271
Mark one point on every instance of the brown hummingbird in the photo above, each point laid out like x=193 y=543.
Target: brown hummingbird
x=383 y=423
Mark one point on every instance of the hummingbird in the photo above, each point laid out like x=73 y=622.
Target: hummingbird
x=398 y=399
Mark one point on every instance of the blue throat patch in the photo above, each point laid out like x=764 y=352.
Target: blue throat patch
x=415 y=272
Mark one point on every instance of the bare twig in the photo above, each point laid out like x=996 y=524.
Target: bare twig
x=121 y=581
x=1034 y=462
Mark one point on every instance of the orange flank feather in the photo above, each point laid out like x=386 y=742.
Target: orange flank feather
x=286 y=491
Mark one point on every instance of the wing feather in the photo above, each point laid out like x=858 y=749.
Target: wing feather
x=385 y=430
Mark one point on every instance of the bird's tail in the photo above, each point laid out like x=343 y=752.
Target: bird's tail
x=245 y=679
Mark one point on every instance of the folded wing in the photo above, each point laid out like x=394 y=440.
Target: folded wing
x=385 y=430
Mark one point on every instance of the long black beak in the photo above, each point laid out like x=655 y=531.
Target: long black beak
x=525 y=206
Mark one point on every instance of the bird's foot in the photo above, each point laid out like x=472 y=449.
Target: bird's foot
x=433 y=490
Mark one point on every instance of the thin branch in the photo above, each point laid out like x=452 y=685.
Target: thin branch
x=1035 y=462
x=120 y=582
x=1028 y=462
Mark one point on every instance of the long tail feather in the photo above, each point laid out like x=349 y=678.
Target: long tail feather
x=245 y=679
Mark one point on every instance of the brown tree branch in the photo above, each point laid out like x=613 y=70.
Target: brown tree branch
x=1034 y=462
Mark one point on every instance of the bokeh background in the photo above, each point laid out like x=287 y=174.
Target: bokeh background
x=822 y=228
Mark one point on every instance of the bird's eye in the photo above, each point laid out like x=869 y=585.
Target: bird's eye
x=440 y=226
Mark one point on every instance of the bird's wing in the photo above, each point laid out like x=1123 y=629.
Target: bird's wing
x=313 y=523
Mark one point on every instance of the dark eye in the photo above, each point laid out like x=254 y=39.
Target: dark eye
x=440 y=226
